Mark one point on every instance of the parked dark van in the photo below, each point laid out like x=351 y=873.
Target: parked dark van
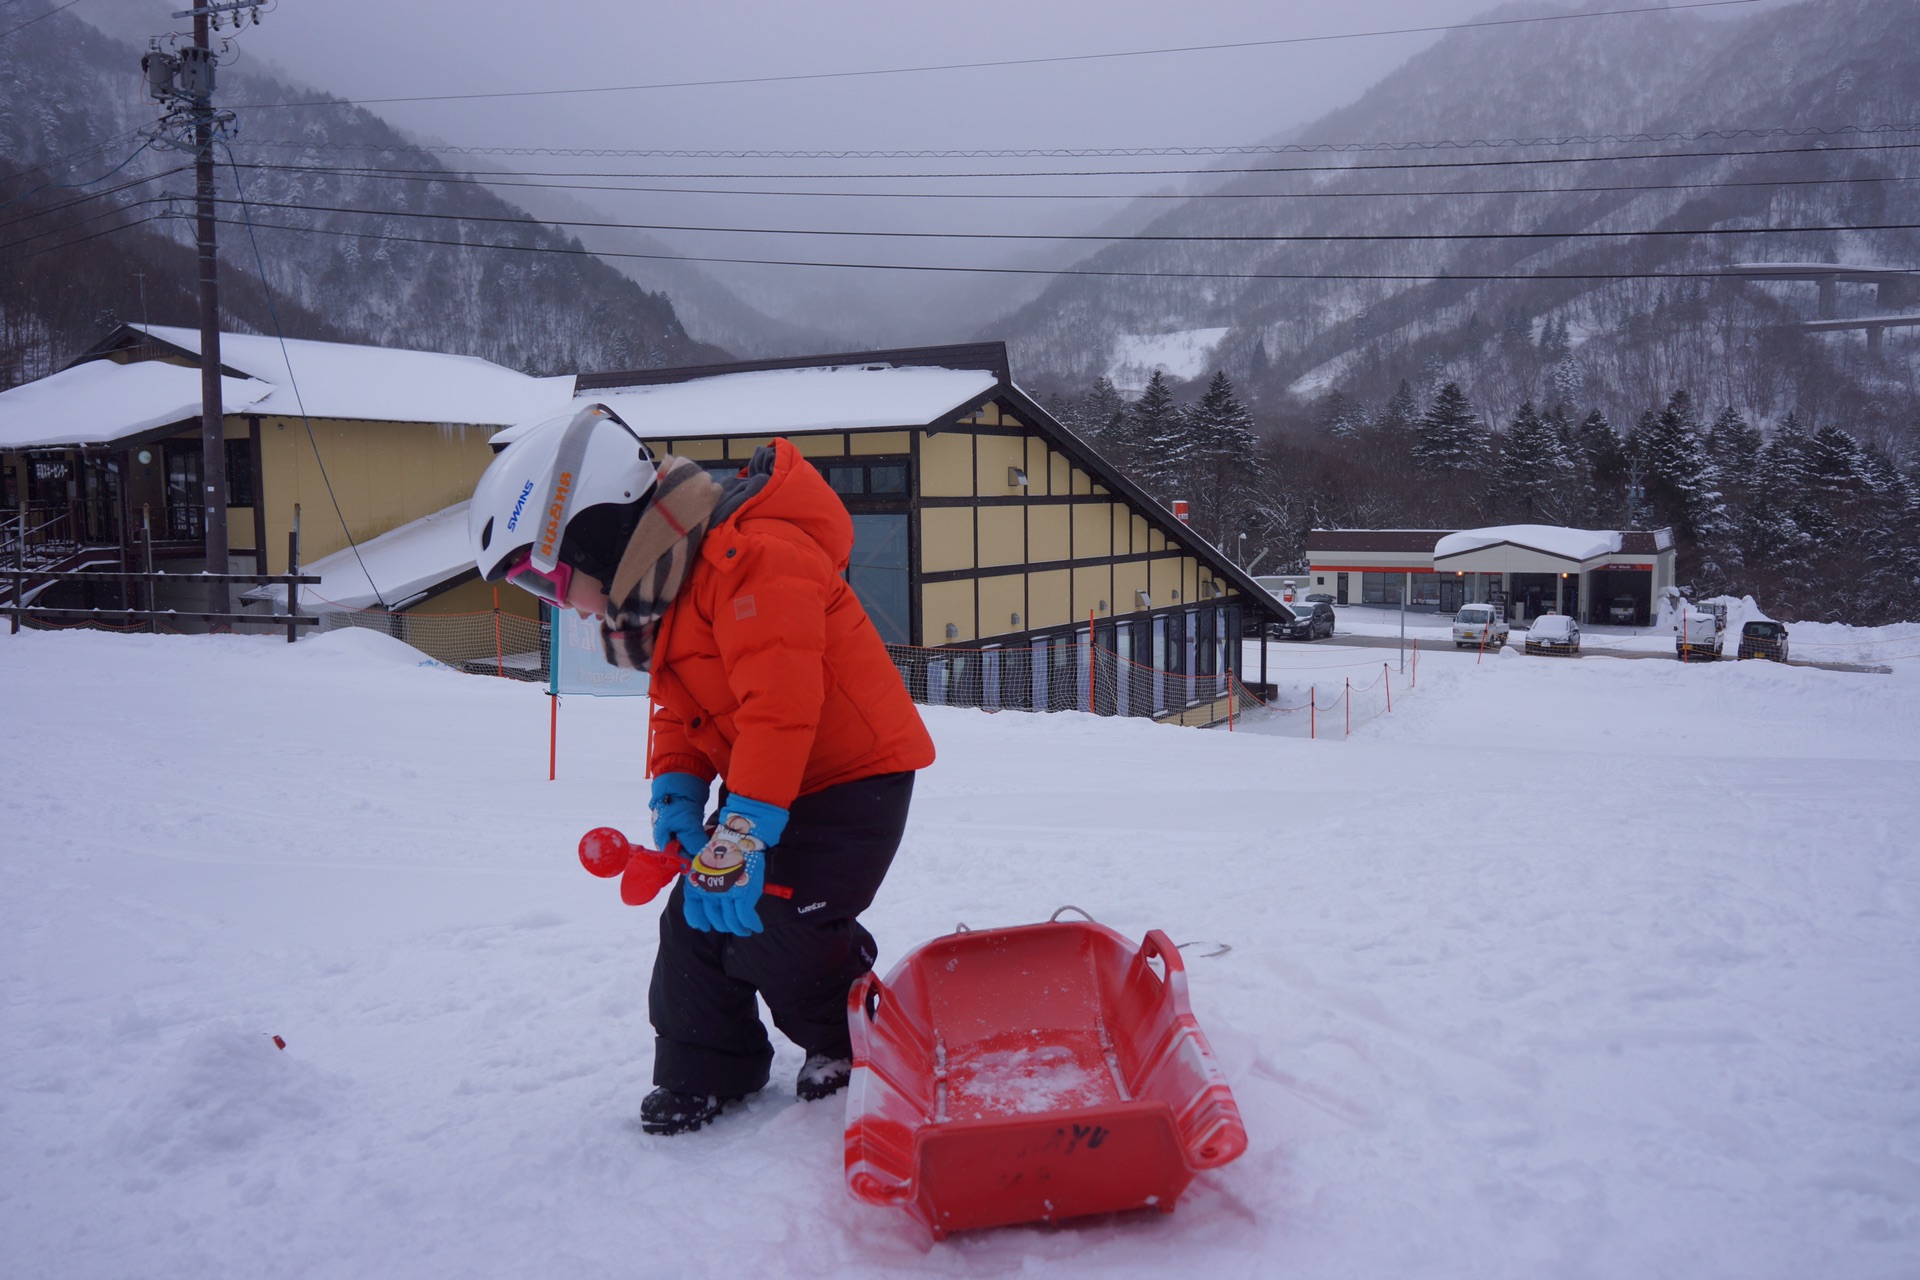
x=1764 y=638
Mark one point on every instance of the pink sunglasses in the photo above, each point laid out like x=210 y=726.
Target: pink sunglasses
x=548 y=584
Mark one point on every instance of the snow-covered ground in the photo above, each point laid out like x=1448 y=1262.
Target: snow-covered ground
x=1570 y=969
x=1182 y=355
x=1809 y=641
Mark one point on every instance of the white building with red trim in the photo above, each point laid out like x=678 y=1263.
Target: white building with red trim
x=1530 y=569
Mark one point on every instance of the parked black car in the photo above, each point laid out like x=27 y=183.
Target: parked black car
x=1309 y=621
x=1763 y=638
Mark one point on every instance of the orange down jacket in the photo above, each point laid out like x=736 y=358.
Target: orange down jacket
x=768 y=672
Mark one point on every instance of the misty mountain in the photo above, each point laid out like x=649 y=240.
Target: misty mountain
x=1809 y=71
x=72 y=107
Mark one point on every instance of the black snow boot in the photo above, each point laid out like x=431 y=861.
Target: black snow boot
x=822 y=1077
x=665 y=1111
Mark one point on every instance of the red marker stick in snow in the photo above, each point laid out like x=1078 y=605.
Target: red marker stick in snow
x=643 y=872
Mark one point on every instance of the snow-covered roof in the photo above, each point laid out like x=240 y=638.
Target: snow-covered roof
x=380 y=384
x=1567 y=544
x=404 y=562
x=100 y=402
x=777 y=401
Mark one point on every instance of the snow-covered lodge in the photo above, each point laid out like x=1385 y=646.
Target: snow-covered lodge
x=357 y=438
x=1530 y=569
x=1010 y=564
x=982 y=526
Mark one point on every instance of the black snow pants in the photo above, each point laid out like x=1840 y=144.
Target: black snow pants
x=836 y=850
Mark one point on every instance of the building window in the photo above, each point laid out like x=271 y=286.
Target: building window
x=185 y=510
x=47 y=481
x=877 y=571
x=1426 y=591
x=1380 y=588
x=857 y=480
x=239 y=473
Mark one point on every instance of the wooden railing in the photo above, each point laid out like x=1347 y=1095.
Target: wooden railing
x=153 y=584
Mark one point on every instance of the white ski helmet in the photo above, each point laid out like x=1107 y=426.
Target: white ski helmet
x=555 y=471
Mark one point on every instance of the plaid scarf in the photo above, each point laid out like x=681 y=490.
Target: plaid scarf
x=658 y=559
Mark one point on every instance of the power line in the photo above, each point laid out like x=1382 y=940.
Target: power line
x=56 y=248
x=982 y=153
x=1396 y=166
x=444 y=177
x=42 y=18
x=75 y=201
x=68 y=187
x=49 y=163
x=63 y=228
x=1007 y=62
x=1341 y=238
x=1422 y=277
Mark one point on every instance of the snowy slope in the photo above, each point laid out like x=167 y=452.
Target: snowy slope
x=1516 y=987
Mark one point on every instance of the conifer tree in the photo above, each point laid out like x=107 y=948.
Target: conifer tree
x=1151 y=438
x=1775 y=534
x=1451 y=439
x=1679 y=479
x=1343 y=417
x=1602 y=457
x=1218 y=459
x=1154 y=415
x=1100 y=412
x=1533 y=477
x=1400 y=417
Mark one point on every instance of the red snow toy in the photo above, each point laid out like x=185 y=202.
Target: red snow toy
x=1035 y=1073
x=643 y=872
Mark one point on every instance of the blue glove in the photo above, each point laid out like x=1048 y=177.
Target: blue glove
x=724 y=882
x=679 y=806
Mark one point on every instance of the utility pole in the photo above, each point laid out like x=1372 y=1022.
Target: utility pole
x=213 y=434
x=184 y=79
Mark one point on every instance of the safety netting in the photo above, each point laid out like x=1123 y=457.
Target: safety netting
x=1059 y=674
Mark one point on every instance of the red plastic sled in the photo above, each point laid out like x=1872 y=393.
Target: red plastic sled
x=1032 y=1074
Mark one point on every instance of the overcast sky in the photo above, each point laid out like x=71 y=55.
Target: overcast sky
x=361 y=48
x=372 y=49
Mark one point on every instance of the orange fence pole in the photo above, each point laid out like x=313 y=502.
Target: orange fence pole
x=1313 y=709
x=1388 y=677
x=1347 y=697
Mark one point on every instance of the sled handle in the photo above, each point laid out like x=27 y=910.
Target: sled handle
x=1158 y=946
x=1062 y=910
x=870 y=998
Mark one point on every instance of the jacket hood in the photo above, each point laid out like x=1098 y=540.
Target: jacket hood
x=782 y=485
